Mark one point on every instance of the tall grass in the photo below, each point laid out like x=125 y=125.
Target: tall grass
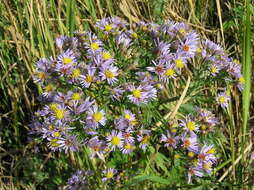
x=246 y=61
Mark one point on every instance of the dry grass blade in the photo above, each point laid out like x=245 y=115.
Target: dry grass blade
x=220 y=20
x=171 y=115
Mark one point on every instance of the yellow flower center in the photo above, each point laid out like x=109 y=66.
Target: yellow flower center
x=145 y=139
x=187 y=143
x=134 y=122
x=75 y=73
x=144 y=28
x=136 y=93
x=109 y=74
x=67 y=60
x=56 y=134
x=94 y=46
x=53 y=142
x=169 y=72
x=207 y=165
x=203 y=127
x=108 y=27
x=51 y=127
x=89 y=78
x=179 y=63
x=191 y=125
x=109 y=175
x=241 y=80
x=106 y=55
x=49 y=88
x=190 y=154
x=211 y=151
x=198 y=50
x=135 y=35
x=182 y=30
x=214 y=69
x=115 y=141
x=97 y=116
x=59 y=113
x=173 y=130
x=177 y=156
x=222 y=99
x=127 y=116
x=127 y=146
x=76 y=96
x=42 y=75
x=158 y=85
x=53 y=107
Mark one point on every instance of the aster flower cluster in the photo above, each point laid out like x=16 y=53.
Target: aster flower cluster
x=184 y=140
x=99 y=87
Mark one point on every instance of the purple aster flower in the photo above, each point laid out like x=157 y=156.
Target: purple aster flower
x=190 y=143
x=206 y=153
x=74 y=77
x=129 y=115
x=43 y=70
x=78 y=180
x=169 y=73
x=127 y=136
x=127 y=147
x=123 y=40
x=65 y=62
x=211 y=49
x=109 y=174
x=132 y=34
x=144 y=138
x=223 y=99
x=170 y=139
x=206 y=116
x=54 y=144
x=179 y=61
x=97 y=146
x=66 y=42
x=159 y=68
x=88 y=78
x=115 y=140
x=161 y=48
x=116 y=93
x=206 y=166
x=95 y=117
x=82 y=106
x=189 y=125
x=107 y=25
x=168 y=28
x=153 y=28
x=194 y=171
x=109 y=73
x=151 y=92
x=189 y=45
x=234 y=69
x=118 y=22
x=69 y=143
x=93 y=44
x=60 y=114
x=181 y=27
x=138 y=95
x=121 y=124
x=241 y=82
x=215 y=69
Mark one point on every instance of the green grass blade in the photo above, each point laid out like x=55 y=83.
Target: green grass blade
x=246 y=60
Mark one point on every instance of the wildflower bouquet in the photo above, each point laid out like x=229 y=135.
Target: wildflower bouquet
x=133 y=102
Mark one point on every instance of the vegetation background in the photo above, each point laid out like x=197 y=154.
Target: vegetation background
x=27 y=32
